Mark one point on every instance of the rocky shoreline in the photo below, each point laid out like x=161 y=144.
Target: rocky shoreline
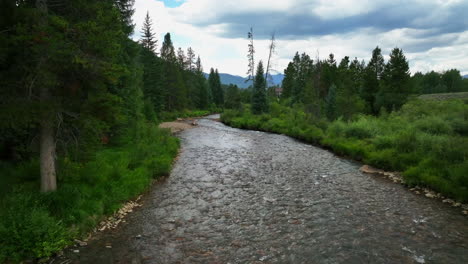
x=396 y=177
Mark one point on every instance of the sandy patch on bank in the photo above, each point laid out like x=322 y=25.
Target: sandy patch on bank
x=178 y=126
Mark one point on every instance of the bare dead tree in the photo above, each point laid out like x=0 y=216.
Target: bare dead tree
x=272 y=51
x=250 y=57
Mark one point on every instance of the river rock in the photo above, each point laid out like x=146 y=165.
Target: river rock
x=430 y=195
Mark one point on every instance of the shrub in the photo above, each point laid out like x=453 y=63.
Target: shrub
x=433 y=125
x=28 y=230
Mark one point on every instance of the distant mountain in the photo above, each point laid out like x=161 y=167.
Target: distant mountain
x=277 y=78
x=465 y=77
x=227 y=79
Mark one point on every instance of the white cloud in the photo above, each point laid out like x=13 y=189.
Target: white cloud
x=443 y=51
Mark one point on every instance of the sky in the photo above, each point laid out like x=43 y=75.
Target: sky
x=432 y=33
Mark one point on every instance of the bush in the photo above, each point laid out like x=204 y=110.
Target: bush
x=27 y=229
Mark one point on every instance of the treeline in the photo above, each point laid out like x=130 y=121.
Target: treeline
x=449 y=81
x=80 y=102
x=332 y=89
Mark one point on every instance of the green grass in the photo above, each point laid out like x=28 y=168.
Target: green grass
x=35 y=225
x=426 y=140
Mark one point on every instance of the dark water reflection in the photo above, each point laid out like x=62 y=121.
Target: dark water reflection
x=239 y=196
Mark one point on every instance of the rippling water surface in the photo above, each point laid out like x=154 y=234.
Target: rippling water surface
x=237 y=196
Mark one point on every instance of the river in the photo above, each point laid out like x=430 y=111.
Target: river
x=237 y=196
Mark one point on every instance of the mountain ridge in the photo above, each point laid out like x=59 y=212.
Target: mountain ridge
x=227 y=79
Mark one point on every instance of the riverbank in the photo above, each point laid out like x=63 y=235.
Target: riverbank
x=35 y=225
x=426 y=140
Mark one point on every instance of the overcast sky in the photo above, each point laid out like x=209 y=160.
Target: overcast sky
x=432 y=33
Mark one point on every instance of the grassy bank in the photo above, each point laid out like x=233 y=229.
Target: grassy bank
x=426 y=140
x=35 y=225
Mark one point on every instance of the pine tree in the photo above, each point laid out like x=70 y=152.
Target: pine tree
x=218 y=96
x=233 y=99
x=372 y=76
x=330 y=103
x=198 y=66
x=356 y=72
x=331 y=60
x=395 y=86
x=167 y=49
x=288 y=81
x=201 y=87
x=148 y=37
x=259 y=99
x=126 y=12
x=190 y=59
x=212 y=85
x=303 y=68
x=181 y=59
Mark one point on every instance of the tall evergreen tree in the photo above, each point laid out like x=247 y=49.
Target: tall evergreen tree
x=181 y=59
x=288 y=81
x=233 y=99
x=212 y=85
x=202 y=95
x=198 y=66
x=148 y=39
x=126 y=8
x=219 y=98
x=303 y=69
x=167 y=49
x=259 y=98
x=190 y=59
x=372 y=76
x=330 y=103
x=356 y=71
x=215 y=88
x=395 y=86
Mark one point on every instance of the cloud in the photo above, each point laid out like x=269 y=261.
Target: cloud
x=300 y=18
x=429 y=31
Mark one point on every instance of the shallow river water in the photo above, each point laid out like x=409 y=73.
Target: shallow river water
x=237 y=196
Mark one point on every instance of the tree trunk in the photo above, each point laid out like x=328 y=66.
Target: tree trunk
x=47 y=154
